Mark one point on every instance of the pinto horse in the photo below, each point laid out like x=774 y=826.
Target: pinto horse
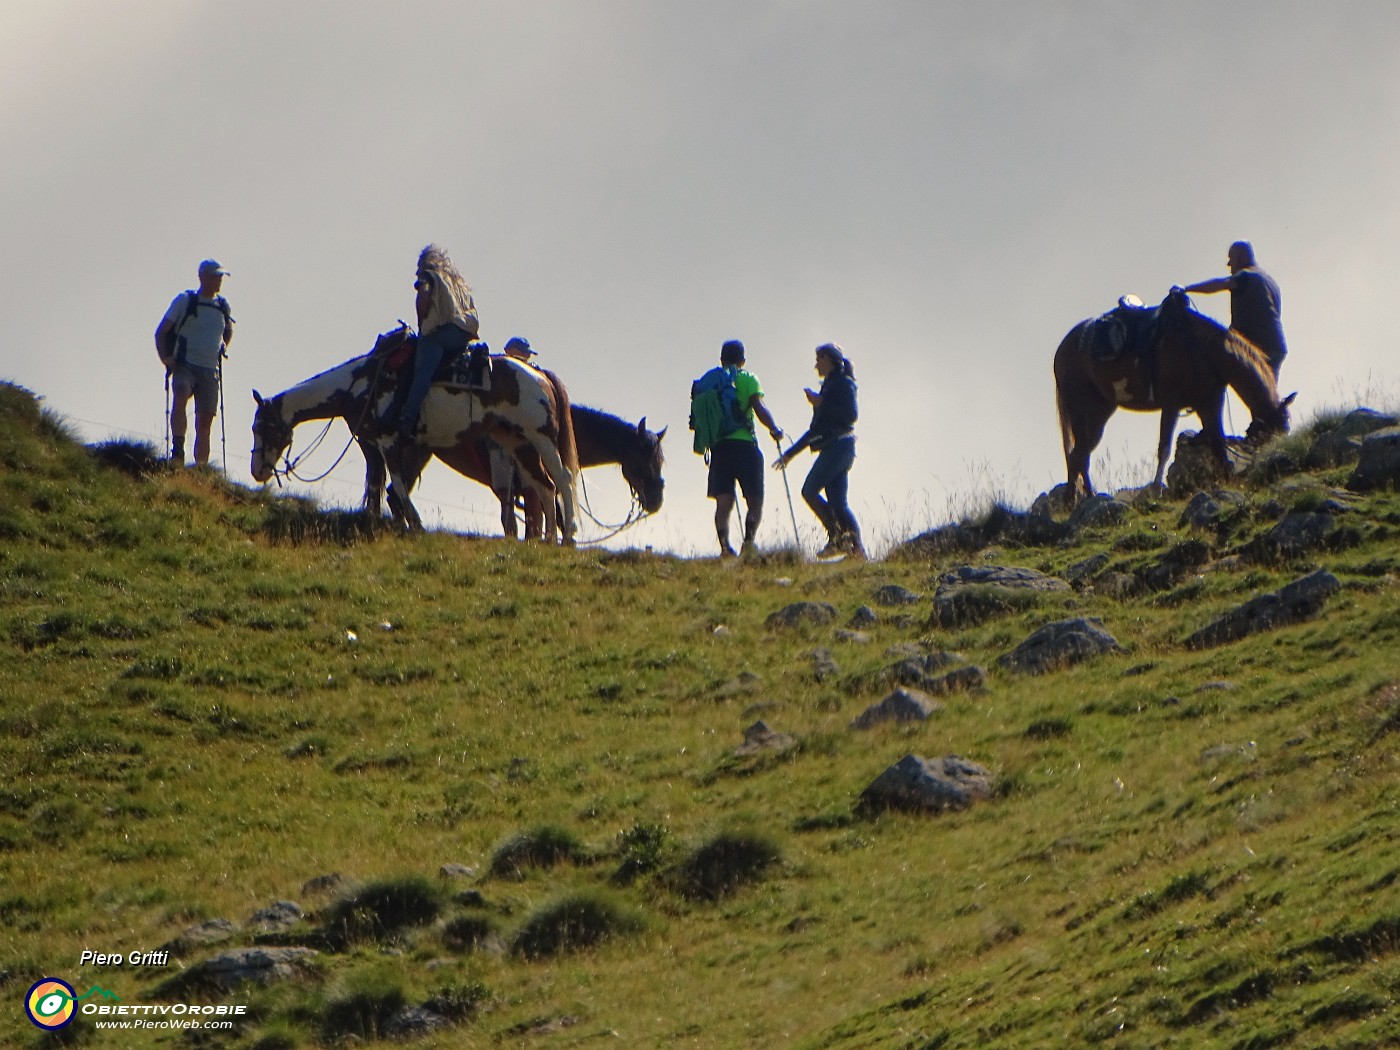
x=1191 y=361
x=524 y=411
x=602 y=439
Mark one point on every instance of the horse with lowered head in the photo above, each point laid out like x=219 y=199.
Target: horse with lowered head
x=523 y=411
x=1189 y=362
x=601 y=437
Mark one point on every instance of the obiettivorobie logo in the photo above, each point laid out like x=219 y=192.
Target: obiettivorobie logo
x=52 y=1004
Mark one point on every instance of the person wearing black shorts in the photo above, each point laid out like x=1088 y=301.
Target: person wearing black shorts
x=736 y=459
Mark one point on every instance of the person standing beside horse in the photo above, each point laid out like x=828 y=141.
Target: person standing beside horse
x=192 y=340
x=447 y=323
x=832 y=436
x=1255 y=302
x=735 y=456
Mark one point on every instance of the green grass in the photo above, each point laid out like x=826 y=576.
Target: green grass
x=210 y=697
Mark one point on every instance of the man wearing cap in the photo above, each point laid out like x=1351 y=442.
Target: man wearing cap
x=1255 y=302
x=191 y=341
x=519 y=348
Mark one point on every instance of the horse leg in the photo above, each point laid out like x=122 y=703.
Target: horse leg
x=1212 y=418
x=534 y=514
x=405 y=465
x=375 y=476
x=1087 y=429
x=1165 y=430
x=563 y=484
x=509 y=525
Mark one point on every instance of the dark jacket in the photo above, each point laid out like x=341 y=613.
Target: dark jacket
x=834 y=415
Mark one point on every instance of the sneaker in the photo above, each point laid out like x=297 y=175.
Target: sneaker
x=727 y=552
x=833 y=549
x=850 y=544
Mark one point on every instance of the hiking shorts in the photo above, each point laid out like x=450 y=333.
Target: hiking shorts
x=200 y=383
x=736 y=461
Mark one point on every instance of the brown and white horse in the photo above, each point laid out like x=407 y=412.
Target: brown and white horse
x=1192 y=360
x=602 y=439
x=523 y=411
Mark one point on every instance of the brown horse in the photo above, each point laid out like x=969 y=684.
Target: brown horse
x=601 y=438
x=1190 y=362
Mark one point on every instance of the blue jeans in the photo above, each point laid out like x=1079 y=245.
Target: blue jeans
x=432 y=348
x=832 y=473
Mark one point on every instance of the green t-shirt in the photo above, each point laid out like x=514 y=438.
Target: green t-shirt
x=746 y=383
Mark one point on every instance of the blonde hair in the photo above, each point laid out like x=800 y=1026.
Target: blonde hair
x=452 y=296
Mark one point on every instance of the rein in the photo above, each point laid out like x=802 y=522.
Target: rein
x=634 y=515
x=289 y=471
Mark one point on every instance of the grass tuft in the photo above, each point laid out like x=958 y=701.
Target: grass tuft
x=581 y=920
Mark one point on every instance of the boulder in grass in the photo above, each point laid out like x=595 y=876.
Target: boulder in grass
x=1300 y=600
x=928 y=785
x=902 y=705
x=801 y=614
x=1379 y=463
x=227 y=971
x=1060 y=644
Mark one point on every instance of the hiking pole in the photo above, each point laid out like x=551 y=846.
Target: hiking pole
x=168 y=450
x=788 y=489
x=223 y=421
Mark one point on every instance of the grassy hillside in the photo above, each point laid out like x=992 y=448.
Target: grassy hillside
x=506 y=781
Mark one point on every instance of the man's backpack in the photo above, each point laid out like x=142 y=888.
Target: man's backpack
x=714 y=408
x=171 y=343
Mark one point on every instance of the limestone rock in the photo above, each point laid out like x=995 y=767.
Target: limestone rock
x=923 y=785
x=1059 y=645
x=902 y=705
x=1300 y=600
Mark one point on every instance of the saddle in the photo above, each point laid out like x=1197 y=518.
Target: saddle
x=1128 y=330
x=469 y=367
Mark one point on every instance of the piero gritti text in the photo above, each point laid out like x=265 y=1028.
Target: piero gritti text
x=91 y=958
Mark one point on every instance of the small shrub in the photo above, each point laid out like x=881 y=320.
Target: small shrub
x=458 y=1002
x=541 y=847
x=382 y=909
x=640 y=848
x=468 y=932
x=363 y=1008
x=1049 y=728
x=579 y=921
x=724 y=864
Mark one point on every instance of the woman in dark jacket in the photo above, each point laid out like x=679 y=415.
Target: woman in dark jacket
x=832 y=436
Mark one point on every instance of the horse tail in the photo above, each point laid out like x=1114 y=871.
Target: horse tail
x=568 y=446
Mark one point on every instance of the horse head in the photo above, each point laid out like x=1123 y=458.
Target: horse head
x=641 y=463
x=272 y=435
x=1270 y=424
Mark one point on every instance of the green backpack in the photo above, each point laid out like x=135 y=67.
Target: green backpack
x=715 y=409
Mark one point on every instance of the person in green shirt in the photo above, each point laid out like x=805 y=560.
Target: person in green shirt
x=736 y=459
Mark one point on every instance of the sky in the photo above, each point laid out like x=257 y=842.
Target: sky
x=943 y=188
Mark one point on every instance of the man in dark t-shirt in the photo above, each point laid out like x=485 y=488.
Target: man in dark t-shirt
x=1255 y=302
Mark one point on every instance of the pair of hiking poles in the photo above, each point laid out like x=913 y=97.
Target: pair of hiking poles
x=223 y=425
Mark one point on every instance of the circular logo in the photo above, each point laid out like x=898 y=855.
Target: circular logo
x=50 y=1003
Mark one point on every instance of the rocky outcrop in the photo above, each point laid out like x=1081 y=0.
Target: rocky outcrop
x=1300 y=600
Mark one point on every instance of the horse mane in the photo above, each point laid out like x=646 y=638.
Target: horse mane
x=435 y=265
x=1250 y=360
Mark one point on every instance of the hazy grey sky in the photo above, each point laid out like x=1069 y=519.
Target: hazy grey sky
x=943 y=188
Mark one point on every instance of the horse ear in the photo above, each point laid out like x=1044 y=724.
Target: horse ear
x=1288 y=400
x=642 y=426
x=257 y=397
x=661 y=433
